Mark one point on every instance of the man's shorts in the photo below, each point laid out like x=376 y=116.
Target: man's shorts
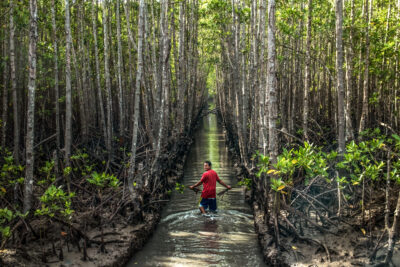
x=210 y=203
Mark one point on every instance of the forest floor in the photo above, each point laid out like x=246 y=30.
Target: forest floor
x=110 y=244
x=347 y=246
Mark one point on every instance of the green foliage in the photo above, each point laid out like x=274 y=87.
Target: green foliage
x=361 y=160
x=246 y=182
x=10 y=174
x=179 y=187
x=81 y=159
x=6 y=216
x=47 y=171
x=365 y=160
x=277 y=184
x=102 y=180
x=56 y=202
x=263 y=164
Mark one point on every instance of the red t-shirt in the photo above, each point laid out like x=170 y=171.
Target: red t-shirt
x=209 y=180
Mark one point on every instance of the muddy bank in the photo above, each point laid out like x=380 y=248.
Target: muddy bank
x=86 y=241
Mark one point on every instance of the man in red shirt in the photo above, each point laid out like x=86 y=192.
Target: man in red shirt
x=209 y=181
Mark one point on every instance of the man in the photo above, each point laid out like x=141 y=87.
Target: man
x=209 y=181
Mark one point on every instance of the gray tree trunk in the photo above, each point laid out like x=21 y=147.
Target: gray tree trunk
x=14 y=85
x=272 y=90
x=182 y=71
x=340 y=75
x=164 y=81
x=30 y=156
x=349 y=80
x=364 y=111
x=131 y=170
x=262 y=88
x=98 y=83
x=4 y=114
x=307 y=81
x=120 y=74
x=108 y=82
x=56 y=84
x=68 y=90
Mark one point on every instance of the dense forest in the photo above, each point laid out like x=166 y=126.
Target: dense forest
x=99 y=100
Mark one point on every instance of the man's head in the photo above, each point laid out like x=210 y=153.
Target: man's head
x=207 y=165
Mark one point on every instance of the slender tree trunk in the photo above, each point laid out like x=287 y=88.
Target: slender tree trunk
x=4 y=114
x=30 y=156
x=245 y=96
x=157 y=86
x=14 y=85
x=271 y=86
x=120 y=74
x=83 y=71
x=340 y=87
x=164 y=81
x=56 y=84
x=108 y=82
x=307 y=82
x=131 y=45
x=395 y=114
x=147 y=93
x=81 y=98
x=262 y=90
x=340 y=75
x=68 y=91
x=364 y=111
x=98 y=84
x=137 y=95
x=349 y=74
x=181 y=73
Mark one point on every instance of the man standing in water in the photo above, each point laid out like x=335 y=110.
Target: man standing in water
x=209 y=181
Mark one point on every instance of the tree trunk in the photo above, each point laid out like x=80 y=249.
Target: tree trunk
x=131 y=170
x=164 y=81
x=108 y=82
x=4 y=114
x=182 y=72
x=14 y=85
x=156 y=83
x=364 y=111
x=30 y=156
x=120 y=74
x=68 y=91
x=98 y=84
x=307 y=81
x=262 y=90
x=340 y=75
x=271 y=85
x=349 y=74
x=56 y=84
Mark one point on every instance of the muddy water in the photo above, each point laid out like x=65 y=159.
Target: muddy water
x=184 y=237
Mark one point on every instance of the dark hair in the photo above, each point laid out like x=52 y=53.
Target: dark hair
x=208 y=162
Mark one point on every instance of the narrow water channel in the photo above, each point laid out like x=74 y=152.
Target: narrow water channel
x=184 y=237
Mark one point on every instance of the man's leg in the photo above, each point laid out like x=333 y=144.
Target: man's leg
x=202 y=210
x=203 y=205
x=213 y=205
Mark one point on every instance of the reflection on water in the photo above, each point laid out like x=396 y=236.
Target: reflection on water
x=184 y=237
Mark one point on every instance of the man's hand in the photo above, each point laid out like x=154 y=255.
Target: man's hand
x=191 y=187
x=229 y=187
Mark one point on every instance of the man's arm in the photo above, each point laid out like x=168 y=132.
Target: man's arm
x=221 y=182
x=196 y=185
